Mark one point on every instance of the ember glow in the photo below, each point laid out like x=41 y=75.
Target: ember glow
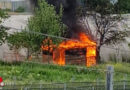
x=83 y=43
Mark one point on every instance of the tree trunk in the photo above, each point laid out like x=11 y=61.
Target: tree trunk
x=99 y=48
x=16 y=54
x=28 y=54
x=98 y=57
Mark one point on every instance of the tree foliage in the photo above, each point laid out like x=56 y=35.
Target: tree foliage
x=19 y=40
x=46 y=20
x=106 y=18
x=3 y=33
x=123 y=6
x=102 y=5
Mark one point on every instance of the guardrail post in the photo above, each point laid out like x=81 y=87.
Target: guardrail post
x=124 y=83
x=109 y=78
x=64 y=86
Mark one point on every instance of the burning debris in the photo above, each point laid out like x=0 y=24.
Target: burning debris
x=84 y=48
x=48 y=46
x=47 y=50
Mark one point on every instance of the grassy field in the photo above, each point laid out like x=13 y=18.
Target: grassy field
x=28 y=72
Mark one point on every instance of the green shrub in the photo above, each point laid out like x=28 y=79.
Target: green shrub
x=125 y=58
x=112 y=57
x=7 y=9
x=20 y=9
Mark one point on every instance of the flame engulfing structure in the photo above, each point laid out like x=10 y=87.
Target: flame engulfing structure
x=84 y=43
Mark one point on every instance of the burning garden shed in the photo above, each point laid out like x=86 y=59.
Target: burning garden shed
x=81 y=51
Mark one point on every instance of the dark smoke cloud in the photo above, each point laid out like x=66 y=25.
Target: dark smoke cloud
x=69 y=13
x=69 y=9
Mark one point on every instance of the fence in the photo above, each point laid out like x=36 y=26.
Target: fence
x=10 y=57
x=108 y=83
x=70 y=86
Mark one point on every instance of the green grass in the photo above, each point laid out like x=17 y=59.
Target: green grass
x=28 y=72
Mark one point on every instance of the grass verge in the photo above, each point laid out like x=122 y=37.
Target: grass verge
x=29 y=72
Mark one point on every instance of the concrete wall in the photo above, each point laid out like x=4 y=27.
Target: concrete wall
x=14 y=21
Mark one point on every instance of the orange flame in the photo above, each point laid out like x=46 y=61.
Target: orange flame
x=48 y=45
x=83 y=42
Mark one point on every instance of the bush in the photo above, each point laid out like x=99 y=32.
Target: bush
x=7 y=9
x=20 y=9
x=125 y=58
x=113 y=58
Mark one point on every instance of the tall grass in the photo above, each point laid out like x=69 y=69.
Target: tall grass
x=28 y=72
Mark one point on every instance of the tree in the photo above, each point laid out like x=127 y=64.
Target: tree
x=16 y=42
x=44 y=21
x=19 y=40
x=106 y=18
x=3 y=33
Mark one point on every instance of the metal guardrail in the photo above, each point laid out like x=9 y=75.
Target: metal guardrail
x=117 y=85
